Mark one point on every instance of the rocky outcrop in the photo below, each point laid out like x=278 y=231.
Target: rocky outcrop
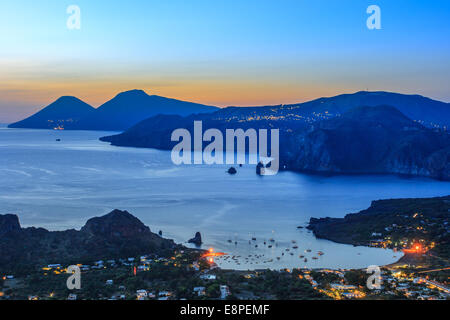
x=9 y=223
x=197 y=240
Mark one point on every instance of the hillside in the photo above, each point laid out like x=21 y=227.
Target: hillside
x=394 y=223
x=115 y=235
x=130 y=107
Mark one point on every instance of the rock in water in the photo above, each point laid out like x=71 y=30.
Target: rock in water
x=232 y=170
x=260 y=169
x=197 y=240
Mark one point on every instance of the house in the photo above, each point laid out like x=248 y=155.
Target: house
x=201 y=291
x=72 y=297
x=224 y=292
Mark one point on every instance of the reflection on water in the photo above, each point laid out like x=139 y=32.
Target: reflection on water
x=60 y=184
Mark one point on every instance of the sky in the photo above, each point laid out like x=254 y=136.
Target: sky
x=219 y=52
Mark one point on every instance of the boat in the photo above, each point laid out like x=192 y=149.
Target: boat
x=308 y=250
x=295 y=247
x=315 y=258
x=269 y=246
x=301 y=256
x=271 y=240
x=320 y=253
x=306 y=260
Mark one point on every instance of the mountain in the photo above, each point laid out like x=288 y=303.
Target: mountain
x=430 y=113
x=130 y=107
x=120 y=113
x=115 y=235
x=395 y=219
x=370 y=140
x=66 y=111
x=362 y=140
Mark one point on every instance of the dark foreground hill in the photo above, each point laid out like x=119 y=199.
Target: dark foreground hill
x=115 y=235
x=119 y=113
x=64 y=112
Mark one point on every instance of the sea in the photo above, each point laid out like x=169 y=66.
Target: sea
x=59 y=179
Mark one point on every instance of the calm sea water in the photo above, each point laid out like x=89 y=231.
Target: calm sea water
x=59 y=185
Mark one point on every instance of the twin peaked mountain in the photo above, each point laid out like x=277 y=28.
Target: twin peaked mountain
x=120 y=113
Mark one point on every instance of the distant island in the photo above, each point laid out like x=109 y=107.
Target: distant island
x=119 y=113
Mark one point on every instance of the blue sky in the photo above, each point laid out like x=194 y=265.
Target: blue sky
x=219 y=52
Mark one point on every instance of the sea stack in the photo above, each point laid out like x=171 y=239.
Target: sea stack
x=197 y=240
